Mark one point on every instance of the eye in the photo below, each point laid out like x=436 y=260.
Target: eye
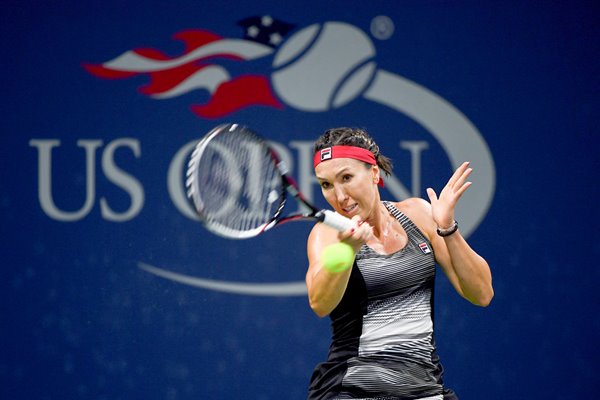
x=325 y=185
x=346 y=178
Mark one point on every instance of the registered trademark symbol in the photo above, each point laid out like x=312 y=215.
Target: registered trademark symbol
x=382 y=27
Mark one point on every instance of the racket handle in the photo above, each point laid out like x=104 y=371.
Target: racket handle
x=335 y=220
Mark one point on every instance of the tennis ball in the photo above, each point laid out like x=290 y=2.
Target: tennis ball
x=323 y=66
x=337 y=257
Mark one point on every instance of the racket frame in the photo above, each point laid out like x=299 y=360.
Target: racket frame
x=288 y=186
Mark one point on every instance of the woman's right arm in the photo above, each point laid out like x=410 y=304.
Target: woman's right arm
x=325 y=288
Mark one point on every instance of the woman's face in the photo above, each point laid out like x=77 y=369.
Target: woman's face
x=349 y=186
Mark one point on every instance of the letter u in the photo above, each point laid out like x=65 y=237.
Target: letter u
x=45 y=178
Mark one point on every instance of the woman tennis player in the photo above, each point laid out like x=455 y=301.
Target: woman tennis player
x=381 y=308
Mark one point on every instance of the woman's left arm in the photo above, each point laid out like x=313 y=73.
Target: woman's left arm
x=468 y=272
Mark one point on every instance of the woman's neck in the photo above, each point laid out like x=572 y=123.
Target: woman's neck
x=380 y=220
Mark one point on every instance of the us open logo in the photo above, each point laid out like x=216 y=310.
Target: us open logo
x=314 y=71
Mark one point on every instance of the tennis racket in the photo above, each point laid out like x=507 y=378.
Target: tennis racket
x=239 y=186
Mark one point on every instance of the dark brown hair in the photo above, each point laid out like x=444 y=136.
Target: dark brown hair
x=353 y=137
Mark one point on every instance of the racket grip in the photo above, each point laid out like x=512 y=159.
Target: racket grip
x=335 y=220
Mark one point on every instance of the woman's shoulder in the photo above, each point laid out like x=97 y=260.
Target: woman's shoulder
x=413 y=206
x=418 y=210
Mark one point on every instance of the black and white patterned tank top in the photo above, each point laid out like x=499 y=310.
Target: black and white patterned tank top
x=382 y=342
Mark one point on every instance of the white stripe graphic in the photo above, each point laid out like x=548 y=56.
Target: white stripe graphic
x=208 y=78
x=251 y=289
x=133 y=62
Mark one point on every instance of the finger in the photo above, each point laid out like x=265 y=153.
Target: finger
x=365 y=232
x=431 y=194
x=357 y=220
x=350 y=231
x=463 y=189
x=463 y=177
x=458 y=173
x=357 y=235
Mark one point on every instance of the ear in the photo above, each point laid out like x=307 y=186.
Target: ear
x=376 y=173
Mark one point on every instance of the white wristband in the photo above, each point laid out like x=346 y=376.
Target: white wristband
x=449 y=231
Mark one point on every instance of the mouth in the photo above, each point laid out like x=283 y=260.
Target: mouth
x=350 y=209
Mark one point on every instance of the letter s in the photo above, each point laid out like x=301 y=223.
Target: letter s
x=123 y=180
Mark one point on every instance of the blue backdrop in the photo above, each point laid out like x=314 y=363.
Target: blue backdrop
x=109 y=290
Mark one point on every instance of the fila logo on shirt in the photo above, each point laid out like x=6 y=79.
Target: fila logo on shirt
x=424 y=248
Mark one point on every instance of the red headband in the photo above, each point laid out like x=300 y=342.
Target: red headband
x=357 y=153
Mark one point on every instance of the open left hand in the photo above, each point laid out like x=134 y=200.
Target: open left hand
x=442 y=207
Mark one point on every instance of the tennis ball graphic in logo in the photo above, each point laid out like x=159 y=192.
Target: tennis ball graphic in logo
x=323 y=67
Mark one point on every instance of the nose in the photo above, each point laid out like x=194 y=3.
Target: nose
x=340 y=194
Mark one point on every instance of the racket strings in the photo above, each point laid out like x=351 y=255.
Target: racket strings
x=237 y=183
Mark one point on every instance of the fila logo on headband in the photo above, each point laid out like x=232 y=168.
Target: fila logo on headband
x=326 y=154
